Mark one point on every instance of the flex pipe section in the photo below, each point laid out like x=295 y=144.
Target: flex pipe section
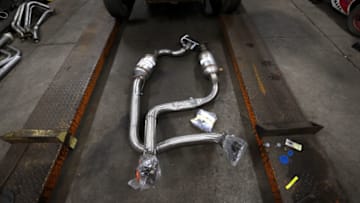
x=148 y=170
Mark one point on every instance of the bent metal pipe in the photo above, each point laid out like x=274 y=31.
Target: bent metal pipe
x=22 y=21
x=8 y=63
x=148 y=170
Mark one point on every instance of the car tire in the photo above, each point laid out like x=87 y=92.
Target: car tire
x=353 y=21
x=224 y=6
x=119 y=9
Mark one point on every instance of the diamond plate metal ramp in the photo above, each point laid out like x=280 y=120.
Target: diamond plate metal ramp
x=29 y=172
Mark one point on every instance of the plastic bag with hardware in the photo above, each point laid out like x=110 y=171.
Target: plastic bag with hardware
x=204 y=120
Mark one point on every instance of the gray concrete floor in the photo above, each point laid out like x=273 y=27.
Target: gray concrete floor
x=314 y=53
x=311 y=49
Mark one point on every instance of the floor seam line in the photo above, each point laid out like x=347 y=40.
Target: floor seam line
x=325 y=35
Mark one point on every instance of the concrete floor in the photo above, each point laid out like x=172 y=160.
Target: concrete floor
x=313 y=52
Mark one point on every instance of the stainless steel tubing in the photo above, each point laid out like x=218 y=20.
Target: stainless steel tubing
x=28 y=16
x=186 y=44
x=7 y=59
x=188 y=140
x=6 y=39
x=142 y=72
x=28 y=13
x=39 y=22
x=210 y=68
x=11 y=64
x=8 y=54
x=151 y=117
x=14 y=22
x=148 y=169
x=20 y=19
x=17 y=51
x=168 y=52
x=135 y=114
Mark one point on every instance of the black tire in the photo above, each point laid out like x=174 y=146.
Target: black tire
x=119 y=9
x=353 y=21
x=225 y=6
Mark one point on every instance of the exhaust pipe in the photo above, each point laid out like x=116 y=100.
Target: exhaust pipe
x=43 y=17
x=210 y=70
x=8 y=63
x=142 y=72
x=11 y=64
x=148 y=170
x=15 y=24
x=23 y=19
x=28 y=12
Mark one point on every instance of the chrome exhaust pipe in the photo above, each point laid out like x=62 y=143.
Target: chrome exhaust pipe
x=15 y=24
x=148 y=170
x=28 y=12
x=35 y=31
x=22 y=21
x=210 y=69
x=142 y=72
x=135 y=114
x=6 y=59
x=10 y=65
x=151 y=117
x=6 y=39
x=10 y=61
x=188 y=140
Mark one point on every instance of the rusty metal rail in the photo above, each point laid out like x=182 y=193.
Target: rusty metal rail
x=29 y=171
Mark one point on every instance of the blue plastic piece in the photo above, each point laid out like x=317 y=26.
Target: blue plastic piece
x=290 y=153
x=284 y=159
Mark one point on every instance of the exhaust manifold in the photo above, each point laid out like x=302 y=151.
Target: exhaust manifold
x=148 y=170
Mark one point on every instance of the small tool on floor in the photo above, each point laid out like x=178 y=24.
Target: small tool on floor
x=292 y=182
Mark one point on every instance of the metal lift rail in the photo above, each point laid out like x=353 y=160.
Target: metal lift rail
x=31 y=168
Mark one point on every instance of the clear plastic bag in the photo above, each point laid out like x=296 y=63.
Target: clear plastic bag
x=147 y=172
x=204 y=120
x=234 y=148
